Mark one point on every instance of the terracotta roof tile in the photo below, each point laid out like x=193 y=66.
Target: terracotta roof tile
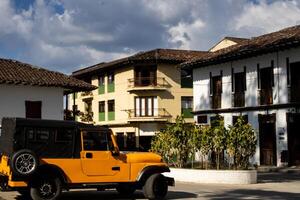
x=283 y=39
x=18 y=73
x=156 y=55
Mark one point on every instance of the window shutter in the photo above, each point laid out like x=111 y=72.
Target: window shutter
x=288 y=70
x=245 y=79
x=232 y=80
x=272 y=73
x=210 y=84
x=258 y=76
x=221 y=73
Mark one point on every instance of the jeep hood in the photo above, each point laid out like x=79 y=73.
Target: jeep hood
x=143 y=157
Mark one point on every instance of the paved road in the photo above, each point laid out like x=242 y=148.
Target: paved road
x=273 y=186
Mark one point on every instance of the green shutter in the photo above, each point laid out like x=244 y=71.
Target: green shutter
x=101 y=89
x=111 y=116
x=111 y=87
x=186 y=112
x=102 y=116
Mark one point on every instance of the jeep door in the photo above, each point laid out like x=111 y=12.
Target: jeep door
x=96 y=157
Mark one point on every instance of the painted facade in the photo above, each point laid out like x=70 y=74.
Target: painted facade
x=273 y=115
x=12 y=102
x=140 y=110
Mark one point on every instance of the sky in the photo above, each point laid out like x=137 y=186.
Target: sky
x=66 y=35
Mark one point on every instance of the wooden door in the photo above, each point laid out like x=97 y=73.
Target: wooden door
x=267 y=140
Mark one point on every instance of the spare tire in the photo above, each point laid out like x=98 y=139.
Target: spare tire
x=24 y=162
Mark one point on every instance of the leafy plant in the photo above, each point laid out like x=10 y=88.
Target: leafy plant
x=241 y=143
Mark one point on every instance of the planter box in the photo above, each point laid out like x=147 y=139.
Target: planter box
x=213 y=176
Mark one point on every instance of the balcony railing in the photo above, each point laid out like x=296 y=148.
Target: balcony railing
x=86 y=117
x=265 y=96
x=147 y=82
x=239 y=99
x=157 y=113
x=216 y=101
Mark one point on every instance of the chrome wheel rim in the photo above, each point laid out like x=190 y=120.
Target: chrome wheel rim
x=25 y=163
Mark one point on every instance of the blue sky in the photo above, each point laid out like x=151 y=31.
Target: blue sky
x=66 y=35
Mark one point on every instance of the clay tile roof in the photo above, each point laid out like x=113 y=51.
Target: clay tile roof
x=18 y=73
x=237 y=39
x=272 y=42
x=152 y=56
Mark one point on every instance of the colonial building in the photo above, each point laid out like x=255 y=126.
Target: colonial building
x=259 y=79
x=138 y=95
x=31 y=92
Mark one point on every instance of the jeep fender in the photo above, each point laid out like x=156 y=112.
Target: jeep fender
x=53 y=170
x=148 y=171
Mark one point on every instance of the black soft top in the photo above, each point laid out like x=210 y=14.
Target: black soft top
x=13 y=134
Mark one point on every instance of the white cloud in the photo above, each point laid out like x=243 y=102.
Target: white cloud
x=184 y=34
x=267 y=17
x=89 y=32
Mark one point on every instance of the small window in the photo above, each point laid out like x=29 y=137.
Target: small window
x=33 y=109
x=30 y=134
x=202 y=119
x=111 y=78
x=95 y=141
x=111 y=105
x=42 y=134
x=101 y=106
x=186 y=78
x=120 y=141
x=64 y=135
x=101 y=80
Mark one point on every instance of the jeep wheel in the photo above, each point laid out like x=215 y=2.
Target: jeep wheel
x=46 y=188
x=126 y=189
x=24 y=162
x=156 y=187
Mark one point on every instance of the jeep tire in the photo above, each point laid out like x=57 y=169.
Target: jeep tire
x=156 y=187
x=46 y=188
x=126 y=189
x=24 y=162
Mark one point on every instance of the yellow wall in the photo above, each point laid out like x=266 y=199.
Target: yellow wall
x=170 y=98
x=222 y=44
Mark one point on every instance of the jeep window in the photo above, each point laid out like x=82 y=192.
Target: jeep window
x=42 y=134
x=38 y=135
x=30 y=134
x=95 y=141
x=64 y=135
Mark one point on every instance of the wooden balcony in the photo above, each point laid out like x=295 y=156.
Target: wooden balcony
x=265 y=96
x=147 y=83
x=239 y=99
x=216 y=101
x=158 y=114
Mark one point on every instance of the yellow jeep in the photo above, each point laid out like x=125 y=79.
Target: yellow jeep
x=41 y=158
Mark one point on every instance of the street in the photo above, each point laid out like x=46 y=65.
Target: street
x=271 y=186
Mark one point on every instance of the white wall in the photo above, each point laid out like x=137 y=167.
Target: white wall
x=12 y=101
x=280 y=90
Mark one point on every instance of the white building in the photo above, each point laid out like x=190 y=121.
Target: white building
x=32 y=92
x=260 y=79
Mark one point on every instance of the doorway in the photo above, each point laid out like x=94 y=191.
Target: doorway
x=293 y=126
x=267 y=139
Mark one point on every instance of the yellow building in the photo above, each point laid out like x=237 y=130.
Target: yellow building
x=138 y=95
